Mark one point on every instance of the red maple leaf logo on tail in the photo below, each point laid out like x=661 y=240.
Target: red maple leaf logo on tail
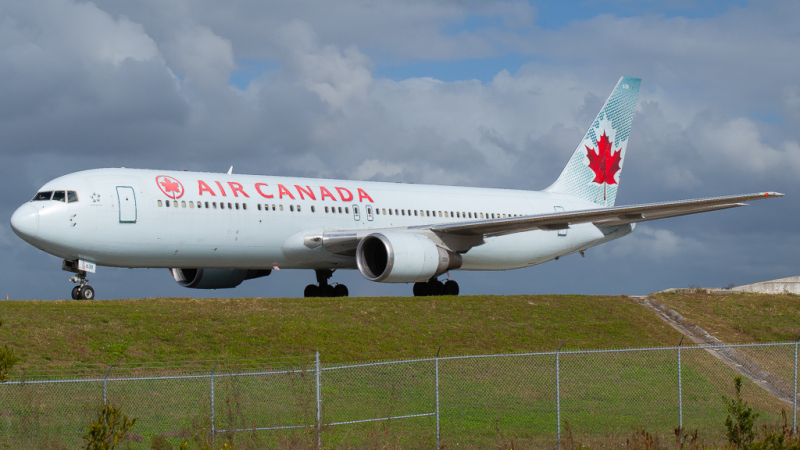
x=603 y=162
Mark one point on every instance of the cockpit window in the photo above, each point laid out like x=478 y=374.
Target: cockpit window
x=59 y=196
x=72 y=196
x=42 y=196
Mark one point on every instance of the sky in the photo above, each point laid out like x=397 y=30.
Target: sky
x=469 y=93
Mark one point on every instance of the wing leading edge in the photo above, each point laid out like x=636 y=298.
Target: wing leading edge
x=602 y=217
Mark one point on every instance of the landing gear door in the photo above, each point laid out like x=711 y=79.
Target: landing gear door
x=127 y=204
x=560 y=209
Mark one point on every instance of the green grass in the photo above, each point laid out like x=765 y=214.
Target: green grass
x=740 y=318
x=484 y=402
x=349 y=329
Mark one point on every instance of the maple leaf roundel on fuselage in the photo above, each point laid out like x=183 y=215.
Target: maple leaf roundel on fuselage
x=171 y=187
x=603 y=162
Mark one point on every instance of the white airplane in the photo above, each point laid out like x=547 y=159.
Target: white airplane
x=213 y=231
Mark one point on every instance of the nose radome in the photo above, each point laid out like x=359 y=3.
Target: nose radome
x=25 y=221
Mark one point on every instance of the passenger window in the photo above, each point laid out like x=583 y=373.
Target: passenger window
x=427 y=213
x=404 y=211
x=291 y=208
x=259 y=206
x=396 y=213
x=298 y=208
x=199 y=205
x=191 y=204
x=445 y=213
x=167 y=203
x=415 y=212
x=221 y=205
x=346 y=210
x=384 y=211
x=229 y=205
x=340 y=210
x=440 y=214
x=206 y=205
x=237 y=205
x=183 y=204
x=42 y=196
x=160 y=204
x=215 y=205
x=312 y=209
x=326 y=209
x=72 y=196
x=280 y=207
x=244 y=205
x=390 y=211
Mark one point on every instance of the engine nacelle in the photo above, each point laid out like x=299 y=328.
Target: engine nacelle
x=398 y=257
x=215 y=278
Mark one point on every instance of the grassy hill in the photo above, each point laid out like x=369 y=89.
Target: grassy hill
x=357 y=329
x=348 y=329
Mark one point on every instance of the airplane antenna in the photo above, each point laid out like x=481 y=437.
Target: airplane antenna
x=230 y=171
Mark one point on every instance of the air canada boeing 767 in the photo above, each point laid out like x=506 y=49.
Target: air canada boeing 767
x=213 y=230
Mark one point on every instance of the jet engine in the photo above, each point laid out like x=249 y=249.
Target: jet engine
x=215 y=278
x=398 y=257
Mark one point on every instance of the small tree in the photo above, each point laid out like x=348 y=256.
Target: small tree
x=7 y=361
x=741 y=419
x=110 y=427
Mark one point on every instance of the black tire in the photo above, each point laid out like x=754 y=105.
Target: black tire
x=328 y=291
x=87 y=293
x=341 y=291
x=76 y=293
x=435 y=287
x=420 y=289
x=450 y=287
x=311 y=291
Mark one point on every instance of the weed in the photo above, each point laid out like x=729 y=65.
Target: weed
x=740 y=422
x=783 y=437
x=7 y=361
x=111 y=427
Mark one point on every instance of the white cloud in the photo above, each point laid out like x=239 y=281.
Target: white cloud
x=647 y=243
x=201 y=56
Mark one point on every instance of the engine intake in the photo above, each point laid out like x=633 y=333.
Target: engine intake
x=215 y=278
x=398 y=257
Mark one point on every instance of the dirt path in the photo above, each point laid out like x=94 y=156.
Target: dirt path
x=729 y=355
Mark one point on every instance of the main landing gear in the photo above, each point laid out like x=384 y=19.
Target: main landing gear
x=435 y=287
x=323 y=289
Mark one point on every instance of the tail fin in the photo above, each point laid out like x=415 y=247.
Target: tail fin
x=594 y=170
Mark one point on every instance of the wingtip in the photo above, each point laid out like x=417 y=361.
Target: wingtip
x=773 y=194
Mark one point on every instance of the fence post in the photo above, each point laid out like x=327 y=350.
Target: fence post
x=438 y=443
x=105 y=385
x=213 y=424
x=319 y=416
x=680 y=391
x=558 y=398
x=794 y=415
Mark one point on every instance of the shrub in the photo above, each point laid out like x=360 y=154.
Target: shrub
x=110 y=427
x=7 y=361
x=740 y=422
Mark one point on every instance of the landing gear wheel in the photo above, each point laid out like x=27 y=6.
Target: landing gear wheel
x=311 y=291
x=87 y=292
x=340 y=290
x=420 y=289
x=450 y=287
x=327 y=291
x=76 y=293
x=435 y=287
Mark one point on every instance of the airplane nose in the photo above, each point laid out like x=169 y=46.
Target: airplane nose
x=25 y=221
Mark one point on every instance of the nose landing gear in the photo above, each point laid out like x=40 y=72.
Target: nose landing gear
x=323 y=289
x=82 y=291
x=435 y=287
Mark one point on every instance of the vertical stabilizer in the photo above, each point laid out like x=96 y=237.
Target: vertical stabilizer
x=594 y=170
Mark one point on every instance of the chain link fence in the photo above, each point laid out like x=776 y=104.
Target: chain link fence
x=556 y=399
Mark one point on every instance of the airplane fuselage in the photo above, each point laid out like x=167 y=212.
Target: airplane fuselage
x=128 y=218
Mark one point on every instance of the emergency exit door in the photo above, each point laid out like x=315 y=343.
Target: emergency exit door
x=127 y=204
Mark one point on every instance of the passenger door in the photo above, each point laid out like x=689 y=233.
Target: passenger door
x=127 y=204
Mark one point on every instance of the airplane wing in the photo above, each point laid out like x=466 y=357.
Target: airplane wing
x=603 y=217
